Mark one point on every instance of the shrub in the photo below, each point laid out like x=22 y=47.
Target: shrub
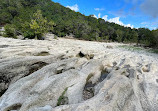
x=55 y=37
x=40 y=25
x=0 y=34
x=37 y=27
x=10 y=31
x=26 y=31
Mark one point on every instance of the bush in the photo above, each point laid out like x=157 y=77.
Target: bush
x=37 y=27
x=10 y=31
x=29 y=34
x=40 y=25
x=55 y=37
x=0 y=33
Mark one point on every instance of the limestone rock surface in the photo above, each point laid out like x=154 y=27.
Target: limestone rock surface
x=74 y=75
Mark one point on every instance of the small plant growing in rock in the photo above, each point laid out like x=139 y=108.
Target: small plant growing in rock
x=62 y=99
x=89 y=77
x=55 y=37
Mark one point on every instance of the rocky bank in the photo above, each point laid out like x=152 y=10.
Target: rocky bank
x=75 y=75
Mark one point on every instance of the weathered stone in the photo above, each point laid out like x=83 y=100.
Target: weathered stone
x=110 y=80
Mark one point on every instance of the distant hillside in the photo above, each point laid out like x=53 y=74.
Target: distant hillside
x=71 y=22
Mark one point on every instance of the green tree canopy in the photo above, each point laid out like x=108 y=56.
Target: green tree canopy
x=38 y=26
x=25 y=18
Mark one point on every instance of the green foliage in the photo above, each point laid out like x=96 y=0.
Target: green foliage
x=1 y=32
x=155 y=38
x=140 y=49
x=61 y=97
x=89 y=77
x=131 y=48
x=10 y=31
x=55 y=37
x=22 y=14
x=119 y=34
x=154 y=51
x=145 y=36
x=39 y=25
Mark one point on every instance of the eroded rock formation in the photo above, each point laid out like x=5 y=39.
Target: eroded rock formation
x=112 y=80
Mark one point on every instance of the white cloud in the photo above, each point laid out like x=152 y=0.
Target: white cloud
x=129 y=25
x=94 y=16
x=99 y=15
x=74 y=7
x=117 y=21
x=105 y=18
x=114 y=20
x=99 y=9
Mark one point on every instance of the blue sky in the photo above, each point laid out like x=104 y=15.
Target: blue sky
x=130 y=13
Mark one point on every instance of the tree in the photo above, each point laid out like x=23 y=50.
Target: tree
x=40 y=25
x=10 y=31
x=134 y=37
x=155 y=38
x=145 y=36
x=26 y=31
x=119 y=34
x=110 y=33
x=23 y=16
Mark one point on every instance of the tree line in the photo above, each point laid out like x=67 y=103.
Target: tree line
x=20 y=18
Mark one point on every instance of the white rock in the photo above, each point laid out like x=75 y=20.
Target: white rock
x=64 y=82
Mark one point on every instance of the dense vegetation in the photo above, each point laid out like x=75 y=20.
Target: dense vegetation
x=17 y=14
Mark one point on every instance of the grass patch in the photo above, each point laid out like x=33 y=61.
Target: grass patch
x=1 y=33
x=153 y=51
x=89 y=77
x=132 y=48
x=62 y=98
